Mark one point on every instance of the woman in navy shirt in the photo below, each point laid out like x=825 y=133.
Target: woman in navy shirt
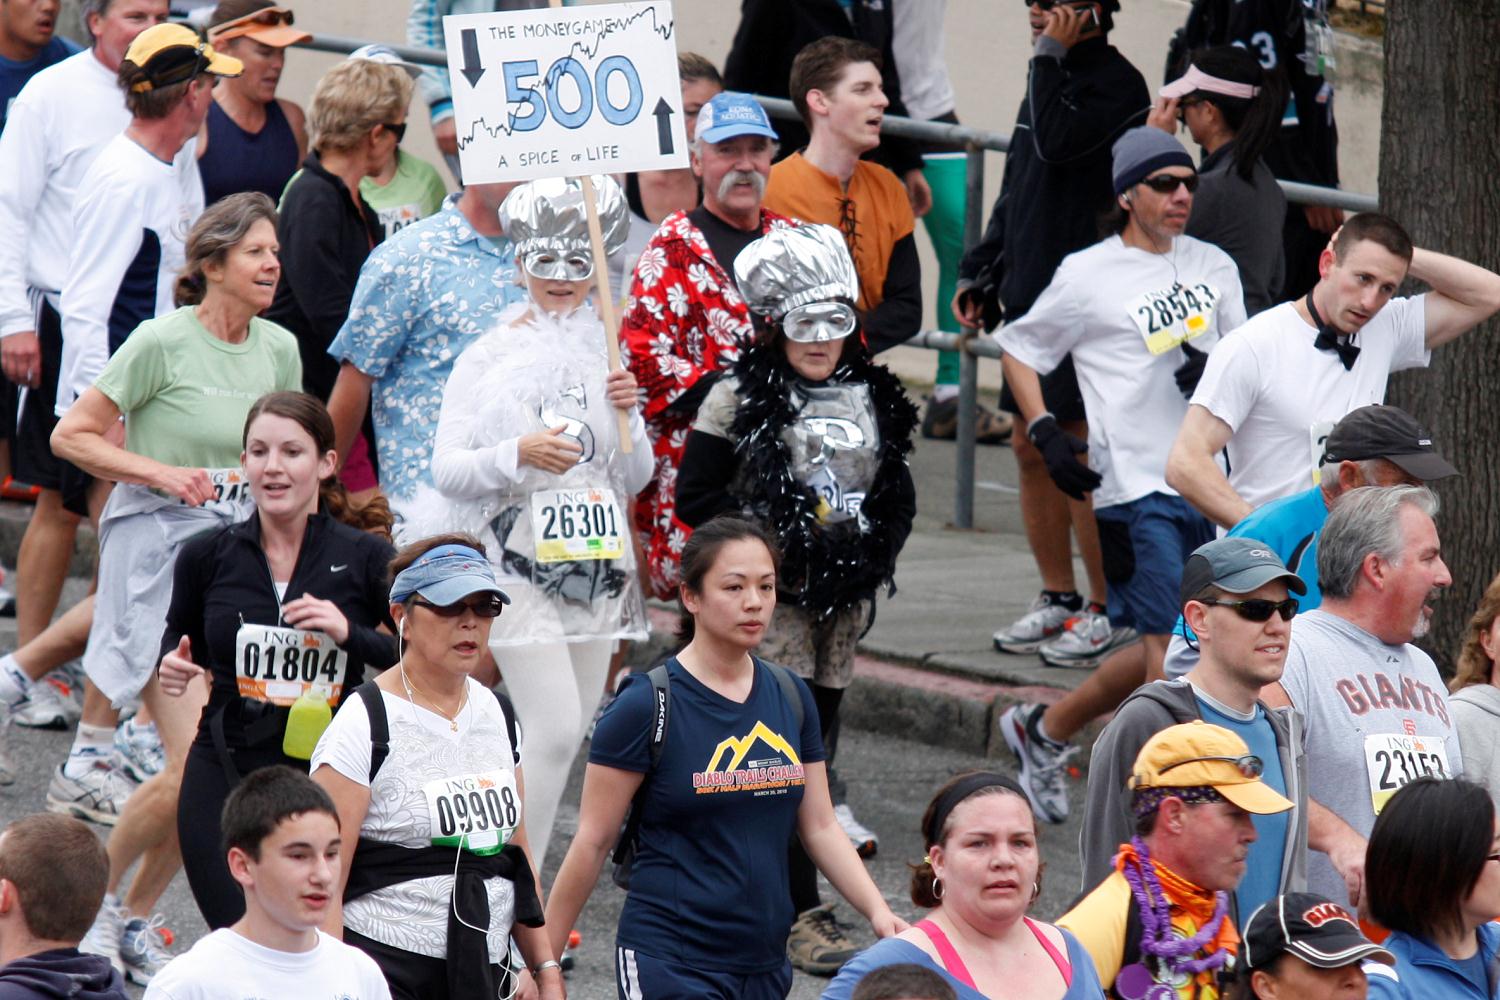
x=740 y=772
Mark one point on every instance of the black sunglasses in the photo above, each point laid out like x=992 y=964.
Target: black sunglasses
x=399 y=131
x=1249 y=765
x=1167 y=183
x=1258 y=610
x=487 y=607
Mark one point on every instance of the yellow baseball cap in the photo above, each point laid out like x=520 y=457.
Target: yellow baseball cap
x=1195 y=755
x=168 y=54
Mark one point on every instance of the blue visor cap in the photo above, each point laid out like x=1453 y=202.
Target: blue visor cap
x=446 y=575
x=728 y=114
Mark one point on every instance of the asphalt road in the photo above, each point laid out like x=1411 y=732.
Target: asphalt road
x=890 y=783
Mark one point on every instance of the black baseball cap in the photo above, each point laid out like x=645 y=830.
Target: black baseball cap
x=1315 y=929
x=1388 y=432
x=1235 y=564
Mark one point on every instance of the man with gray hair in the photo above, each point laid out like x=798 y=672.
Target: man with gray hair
x=1375 y=706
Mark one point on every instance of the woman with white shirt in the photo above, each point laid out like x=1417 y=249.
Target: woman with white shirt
x=528 y=454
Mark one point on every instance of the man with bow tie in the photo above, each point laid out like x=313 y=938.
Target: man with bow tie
x=1272 y=390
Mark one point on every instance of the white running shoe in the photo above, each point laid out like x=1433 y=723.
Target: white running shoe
x=104 y=937
x=49 y=704
x=1085 y=642
x=1041 y=621
x=1043 y=767
x=139 y=751
x=98 y=796
x=862 y=837
x=143 y=948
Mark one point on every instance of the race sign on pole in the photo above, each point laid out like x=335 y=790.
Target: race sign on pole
x=566 y=91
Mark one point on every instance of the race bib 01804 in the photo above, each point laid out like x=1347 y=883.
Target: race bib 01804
x=1396 y=760
x=279 y=665
x=1171 y=316
x=479 y=812
x=572 y=525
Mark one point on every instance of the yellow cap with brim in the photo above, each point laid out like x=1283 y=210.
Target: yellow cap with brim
x=1199 y=755
x=168 y=54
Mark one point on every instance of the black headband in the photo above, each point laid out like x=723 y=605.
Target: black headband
x=962 y=789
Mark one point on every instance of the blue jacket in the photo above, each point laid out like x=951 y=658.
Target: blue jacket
x=1424 y=972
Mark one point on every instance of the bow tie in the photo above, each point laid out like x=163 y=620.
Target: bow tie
x=1330 y=339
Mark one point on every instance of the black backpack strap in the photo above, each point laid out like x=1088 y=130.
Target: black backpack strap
x=788 y=683
x=380 y=730
x=512 y=726
x=661 y=713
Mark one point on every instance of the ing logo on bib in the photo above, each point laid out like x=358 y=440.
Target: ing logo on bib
x=762 y=762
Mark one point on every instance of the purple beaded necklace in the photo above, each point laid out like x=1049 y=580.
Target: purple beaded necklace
x=1170 y=954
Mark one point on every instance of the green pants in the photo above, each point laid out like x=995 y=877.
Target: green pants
x=946 y=175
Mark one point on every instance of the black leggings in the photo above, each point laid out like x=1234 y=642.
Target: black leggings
x=411 y=976
x=801 y=872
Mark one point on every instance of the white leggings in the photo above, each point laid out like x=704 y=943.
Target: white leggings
x=556 y=687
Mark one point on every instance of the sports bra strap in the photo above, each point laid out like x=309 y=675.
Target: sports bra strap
x=947 y=953
x=1058 y=958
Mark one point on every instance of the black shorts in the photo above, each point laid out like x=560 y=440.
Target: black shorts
x=31 y=457
x=1059 y=391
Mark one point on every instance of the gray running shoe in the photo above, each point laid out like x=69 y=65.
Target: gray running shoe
x=104 y=937
x=1043 y=767
x=1042 y=621
x=98 y=796
x=143 y=948
x=48 y=706
x=1086 y=640
x=139 y=751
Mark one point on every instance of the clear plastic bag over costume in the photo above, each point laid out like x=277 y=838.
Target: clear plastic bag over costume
x=560 y=543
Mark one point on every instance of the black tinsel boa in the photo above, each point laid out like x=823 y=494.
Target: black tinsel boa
x=824 y=568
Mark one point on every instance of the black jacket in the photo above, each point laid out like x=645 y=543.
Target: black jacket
x=223 y=579
x=1058 y=179
x=324 y=243
x=772 y=32
x=60 y=973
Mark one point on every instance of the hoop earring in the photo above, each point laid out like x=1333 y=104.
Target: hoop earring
x=1036 y=890
x=937 y=887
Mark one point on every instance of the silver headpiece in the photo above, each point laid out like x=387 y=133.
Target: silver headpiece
x=794 y=265
x=550 y=214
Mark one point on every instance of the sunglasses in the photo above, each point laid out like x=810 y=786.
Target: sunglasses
x=397 y=129
x=268 y=18
x=488 y=607
x=1249 y=765
x=1258 y=610
x=819 y=322
x=1167 y=183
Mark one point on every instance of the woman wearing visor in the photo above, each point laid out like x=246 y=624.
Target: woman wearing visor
x=424 y=768
x=809 y=436
x=528 y=455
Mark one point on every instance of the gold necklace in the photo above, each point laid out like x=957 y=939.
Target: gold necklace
x=410 y=687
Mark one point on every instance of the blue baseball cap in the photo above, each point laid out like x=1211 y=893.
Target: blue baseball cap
x=446 y=575
x=728 y=114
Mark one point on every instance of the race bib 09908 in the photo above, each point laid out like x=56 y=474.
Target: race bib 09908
x=1396 y=760
x=479 y=812
x=279 y=665
x=572 y=525
x=1171 y=316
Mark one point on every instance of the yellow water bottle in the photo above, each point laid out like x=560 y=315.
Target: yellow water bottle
x=309 y=716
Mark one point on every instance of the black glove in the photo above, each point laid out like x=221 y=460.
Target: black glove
x=1060 y=450
x=1190 y=371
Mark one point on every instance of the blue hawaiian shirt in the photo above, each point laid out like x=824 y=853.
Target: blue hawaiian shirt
x=423 y=296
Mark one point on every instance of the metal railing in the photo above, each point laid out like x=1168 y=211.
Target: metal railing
x=976 y=143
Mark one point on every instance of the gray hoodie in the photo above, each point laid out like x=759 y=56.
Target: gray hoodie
x=1476 y=713
x=1107 y=822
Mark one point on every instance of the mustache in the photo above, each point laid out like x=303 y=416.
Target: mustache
x=742 y=177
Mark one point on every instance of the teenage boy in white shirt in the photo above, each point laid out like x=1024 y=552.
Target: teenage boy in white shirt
x=1271 y=396
x=282 y=835
x=1137 y=311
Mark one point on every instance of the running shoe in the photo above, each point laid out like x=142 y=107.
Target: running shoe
x=1043 y=763
x=1086 y=640
x=98 y=796
x=862 y=837
x=103 y=937
x=49 y=704
x=817 y=943
x=7 y=766
x=139 y=751
x=1043 y=620
x=143 y=948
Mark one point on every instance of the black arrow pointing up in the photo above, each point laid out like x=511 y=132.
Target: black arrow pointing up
x=663 y=115
x=472 y=70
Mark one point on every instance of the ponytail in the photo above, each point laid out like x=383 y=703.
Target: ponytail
x=372 y=514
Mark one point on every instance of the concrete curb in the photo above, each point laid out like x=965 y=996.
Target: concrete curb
x=14 y=517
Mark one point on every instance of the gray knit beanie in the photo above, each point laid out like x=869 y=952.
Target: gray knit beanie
x=1144 y=150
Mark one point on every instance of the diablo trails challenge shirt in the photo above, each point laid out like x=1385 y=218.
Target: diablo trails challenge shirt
x=709 y=888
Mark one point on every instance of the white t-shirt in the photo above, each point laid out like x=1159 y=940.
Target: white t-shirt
x=1102 y=306
x=413 y=916
x=1281 y=395
x=133 y=212
x=1377 y=715
x=227 y=966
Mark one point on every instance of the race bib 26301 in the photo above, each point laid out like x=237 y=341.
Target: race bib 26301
x=572 y=525
x=479 y=812
x=1168 y=317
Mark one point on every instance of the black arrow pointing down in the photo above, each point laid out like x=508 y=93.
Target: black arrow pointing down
x=472 y=70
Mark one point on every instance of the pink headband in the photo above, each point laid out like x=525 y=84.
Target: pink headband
x=1196 y=79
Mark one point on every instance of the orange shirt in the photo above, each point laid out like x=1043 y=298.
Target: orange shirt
x=873 y=214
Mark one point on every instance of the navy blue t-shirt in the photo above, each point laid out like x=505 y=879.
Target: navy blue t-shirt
x=14 y=75
x=709 y=888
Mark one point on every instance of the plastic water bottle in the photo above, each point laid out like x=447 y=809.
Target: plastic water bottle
x=309 y=716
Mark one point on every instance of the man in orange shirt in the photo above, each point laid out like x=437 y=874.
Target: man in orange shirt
x=836 y=87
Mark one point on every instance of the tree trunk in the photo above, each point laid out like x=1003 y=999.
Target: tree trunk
x=1440 y=176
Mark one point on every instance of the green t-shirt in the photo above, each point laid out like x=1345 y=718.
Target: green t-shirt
x=185 y=393
x=415 y=192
